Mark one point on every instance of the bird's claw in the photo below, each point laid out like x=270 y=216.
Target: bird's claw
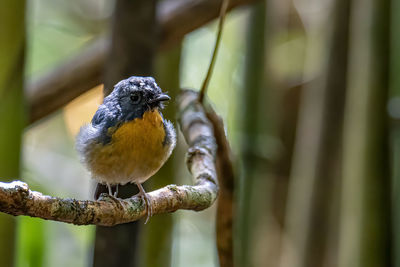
x=149 y=208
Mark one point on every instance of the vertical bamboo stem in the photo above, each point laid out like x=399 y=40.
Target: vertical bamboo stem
x=12 y=58
x=364 y=236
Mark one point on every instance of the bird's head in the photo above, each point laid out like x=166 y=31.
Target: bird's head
x=134 y=96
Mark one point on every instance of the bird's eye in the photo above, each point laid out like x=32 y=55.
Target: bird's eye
x=135 y=98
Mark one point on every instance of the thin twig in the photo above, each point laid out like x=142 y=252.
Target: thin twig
x=17 y=199
x=222 y=14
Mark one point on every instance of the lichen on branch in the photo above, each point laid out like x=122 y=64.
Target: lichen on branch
x=17 y=199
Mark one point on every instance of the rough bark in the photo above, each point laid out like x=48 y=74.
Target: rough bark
x=17 y=199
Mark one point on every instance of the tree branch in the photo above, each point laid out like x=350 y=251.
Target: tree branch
x=59 y=86
x=226 y=204
x=17 y=199
x=84 y=71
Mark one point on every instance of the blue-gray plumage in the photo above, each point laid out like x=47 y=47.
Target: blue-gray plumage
x=128 y=140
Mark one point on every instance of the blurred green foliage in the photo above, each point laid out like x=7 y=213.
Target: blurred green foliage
x=31 y=242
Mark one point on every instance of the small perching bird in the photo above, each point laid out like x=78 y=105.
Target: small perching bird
x=128 y=140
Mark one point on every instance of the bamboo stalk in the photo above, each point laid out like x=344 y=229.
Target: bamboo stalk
x=364 y=232
x=12 y=115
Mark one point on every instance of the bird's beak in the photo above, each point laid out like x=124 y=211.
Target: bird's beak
x=160 y=98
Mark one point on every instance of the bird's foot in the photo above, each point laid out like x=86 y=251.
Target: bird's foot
x=149 y=209
x=143 y=195
x=108 y=197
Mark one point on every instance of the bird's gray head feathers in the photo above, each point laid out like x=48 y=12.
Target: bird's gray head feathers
x=134 y=96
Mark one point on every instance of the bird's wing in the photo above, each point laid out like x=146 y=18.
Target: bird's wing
x=104 y=121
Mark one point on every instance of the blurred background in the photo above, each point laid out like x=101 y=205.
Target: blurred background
x=309 y=94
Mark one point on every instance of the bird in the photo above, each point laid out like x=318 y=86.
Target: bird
x=128 y=140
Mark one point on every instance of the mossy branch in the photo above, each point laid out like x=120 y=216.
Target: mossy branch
x=17 y=199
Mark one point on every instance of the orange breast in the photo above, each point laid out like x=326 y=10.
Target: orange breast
x=135 y=152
